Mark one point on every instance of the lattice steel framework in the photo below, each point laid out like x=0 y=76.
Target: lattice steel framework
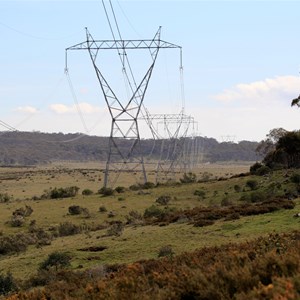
x=177 y=148
x=124 y=113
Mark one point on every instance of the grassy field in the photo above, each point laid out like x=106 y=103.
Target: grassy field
x=136 y=241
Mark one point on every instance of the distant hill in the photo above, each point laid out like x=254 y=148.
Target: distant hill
x=31 y=148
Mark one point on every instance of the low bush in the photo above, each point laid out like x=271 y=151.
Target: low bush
x=163 y=200
x=24 y=212
x=188 y=178
x=258 y=196
x=200 y=193
x=148 y=185
x=295 y=178
x=78 y=210
x=102 y=209
x=75 y=210
x=7 y=284
x=134 y=217
x=56 y=260
x=115 y=229
x=153 y=212
x=42 y=237
x=135 y=187
x=259 y=169
x=105 y=191
x=68 y=228
x=87 y=192
x=226 y=201
x=13 y=244
x=166 y=251
x=4 y=197
x=58 y=193
x=18 y=216
x=237 y=188
x=120 y=189
x=263 y=170
x=252 y=184
x=17 y=221
x=205 y=177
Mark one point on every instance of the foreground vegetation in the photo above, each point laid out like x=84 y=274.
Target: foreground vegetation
x=191 y=239
x=265 y=268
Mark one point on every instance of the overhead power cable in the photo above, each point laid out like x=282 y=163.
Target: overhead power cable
x=76 y=101
x=7 y=126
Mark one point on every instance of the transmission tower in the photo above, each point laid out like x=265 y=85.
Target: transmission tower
x=124 y=112
x=175 y=137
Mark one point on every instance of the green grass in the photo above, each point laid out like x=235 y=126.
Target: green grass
x=136 y=242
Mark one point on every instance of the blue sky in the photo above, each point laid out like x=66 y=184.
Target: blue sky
x=241 y=64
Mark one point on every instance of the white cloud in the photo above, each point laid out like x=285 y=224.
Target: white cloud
x=82 y=107
x=27 y=109
x=281 y=89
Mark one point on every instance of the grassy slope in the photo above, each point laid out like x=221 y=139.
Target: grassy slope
x=138 y=242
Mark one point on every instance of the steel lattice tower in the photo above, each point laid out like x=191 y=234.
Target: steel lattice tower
x=124 y=113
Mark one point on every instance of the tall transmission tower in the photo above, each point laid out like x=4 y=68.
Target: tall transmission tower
x=124 y=112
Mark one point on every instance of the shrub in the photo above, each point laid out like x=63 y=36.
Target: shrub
x=111 y=214
x=163 y=200
x=255 y=167
x=56 y=259
x=4 y=197
x=134 y=217
x=205 y=177
x=87 y=192
x=13 y=244
x=102 y=209
x=7 y=284
x=120 y=189
x=148 y=185
x=115 y=229
x=203 y=222
x=166 y=251
x=105 y=191
x=263 y=170
x=252 y=184
x=188 y=178
x=135 y=187
x=75 y=210
x=17 y=221
x=295 y=178
x=153 y=211
x=200 y=194
x=226 y=202
x=237 y=188
x=233 y=216
x=42 y=237
x=78 y=210
x=245 y=197
x=257 y=196
x=24 y=212
x=57 y=193
x=68 y=228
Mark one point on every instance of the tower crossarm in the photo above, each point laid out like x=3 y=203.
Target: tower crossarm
x=122 y=44
x=169 y=117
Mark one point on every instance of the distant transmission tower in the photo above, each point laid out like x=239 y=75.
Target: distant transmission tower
x=124 y=112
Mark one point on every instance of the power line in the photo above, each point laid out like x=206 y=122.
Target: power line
x=7 y=126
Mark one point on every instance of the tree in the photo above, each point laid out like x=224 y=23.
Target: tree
x=296 y=101
x=286 y=152
x=269 y=144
